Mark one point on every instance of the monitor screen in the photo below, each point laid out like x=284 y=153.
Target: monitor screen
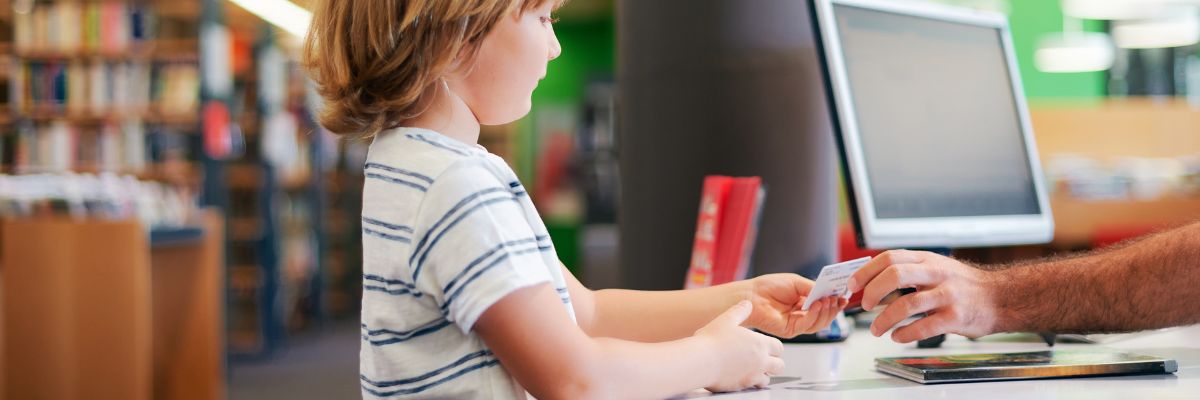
x=932 y=125
x=937 y=116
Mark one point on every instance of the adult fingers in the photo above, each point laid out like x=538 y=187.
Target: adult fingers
x=906 y=306
x=897 y=277
x=879 y=264
x=923 y=328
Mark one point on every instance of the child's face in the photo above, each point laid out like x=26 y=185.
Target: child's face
x=511 y=61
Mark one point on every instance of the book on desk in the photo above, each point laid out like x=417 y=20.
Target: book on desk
x=1028 y=365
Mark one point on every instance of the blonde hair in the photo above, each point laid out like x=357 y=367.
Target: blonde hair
x=378 y=63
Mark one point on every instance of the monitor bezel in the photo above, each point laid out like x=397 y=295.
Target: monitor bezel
x=932 y=232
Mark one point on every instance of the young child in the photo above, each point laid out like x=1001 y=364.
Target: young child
x=464 y=296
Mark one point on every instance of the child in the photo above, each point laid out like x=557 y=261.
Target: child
x=464 y=296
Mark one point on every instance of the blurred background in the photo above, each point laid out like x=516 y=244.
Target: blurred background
x=174 y=224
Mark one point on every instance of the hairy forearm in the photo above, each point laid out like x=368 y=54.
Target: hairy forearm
x=656 y=316
x=1150 y=283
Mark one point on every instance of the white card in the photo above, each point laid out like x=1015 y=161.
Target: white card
x=833 y=281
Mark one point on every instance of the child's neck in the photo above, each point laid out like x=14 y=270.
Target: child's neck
x=449 y=116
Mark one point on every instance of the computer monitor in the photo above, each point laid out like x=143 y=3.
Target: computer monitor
x=932 y=124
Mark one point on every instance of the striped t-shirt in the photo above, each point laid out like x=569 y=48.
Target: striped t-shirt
x=448 y=230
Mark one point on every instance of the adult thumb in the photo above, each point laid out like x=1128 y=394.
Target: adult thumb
x=738 y=313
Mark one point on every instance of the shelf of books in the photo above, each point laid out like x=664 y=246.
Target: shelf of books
x=342 y=239
x=99 y=87
x=202 y=100
x=292 y=202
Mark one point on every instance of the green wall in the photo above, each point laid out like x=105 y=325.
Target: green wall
x=589 y=47
x=1030 y=19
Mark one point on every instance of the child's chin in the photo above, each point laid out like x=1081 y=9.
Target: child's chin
x=510 y=115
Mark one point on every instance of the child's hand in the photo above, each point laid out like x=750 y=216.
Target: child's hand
x=777 y=300
x=744 y=358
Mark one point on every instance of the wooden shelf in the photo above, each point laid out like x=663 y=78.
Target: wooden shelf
x=335 y=227
x=1077 y=221
x=186 y=48
x=245 y=277
x=245 y=229
x=173 y=172
x=244 y=177
x=250 y=177
x=44 y=113
x=60 y=55
x=296 y=181
x=189 y=10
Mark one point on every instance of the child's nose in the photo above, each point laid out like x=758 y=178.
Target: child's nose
x=555 y=47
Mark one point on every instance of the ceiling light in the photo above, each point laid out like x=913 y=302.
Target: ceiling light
x=1113 y=9
x=1074 y=52
x=1174 y=29
x=282 y=13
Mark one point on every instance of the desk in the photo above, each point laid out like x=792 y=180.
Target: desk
x=847 y=371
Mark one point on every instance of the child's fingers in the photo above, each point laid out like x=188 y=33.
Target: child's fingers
x=737 y=314
x=810 y=318
x=775 y=366
x=822 y=316
x=830 y=312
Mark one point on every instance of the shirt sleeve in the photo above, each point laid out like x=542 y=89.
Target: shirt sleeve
x=475 y=244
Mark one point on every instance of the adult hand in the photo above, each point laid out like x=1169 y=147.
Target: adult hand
x=777 y=300
x=956 y=298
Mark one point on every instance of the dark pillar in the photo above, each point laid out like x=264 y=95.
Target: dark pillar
x=729 y=87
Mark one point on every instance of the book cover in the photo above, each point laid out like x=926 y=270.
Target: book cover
x=726 y=230
x=1029 y=365
x=738 y=230
x=712 y=203
x=751 y=236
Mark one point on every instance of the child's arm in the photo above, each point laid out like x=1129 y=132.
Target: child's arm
x=655 y=316
x=552 y=358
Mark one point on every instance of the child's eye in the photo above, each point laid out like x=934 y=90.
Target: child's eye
x=549 y=20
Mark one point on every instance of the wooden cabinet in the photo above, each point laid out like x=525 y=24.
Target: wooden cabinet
x=90 y=311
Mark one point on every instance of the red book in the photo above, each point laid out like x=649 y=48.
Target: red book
x=704 y=248
x=726 y=230
x=739 y=230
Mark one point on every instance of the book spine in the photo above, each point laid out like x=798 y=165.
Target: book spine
x=133 y=146
x=735 y=228
x=23 y=32
x=712 y=203
x=92 y=26
x=743 y=269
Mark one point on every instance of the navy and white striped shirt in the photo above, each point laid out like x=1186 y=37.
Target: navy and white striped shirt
x=448 y=230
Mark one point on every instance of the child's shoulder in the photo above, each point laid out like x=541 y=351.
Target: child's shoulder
x=428 y=161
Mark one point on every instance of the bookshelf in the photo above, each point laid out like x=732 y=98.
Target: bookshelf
x=341 y=238
x=275 y=192
x=100 y=86
x=90 y=87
